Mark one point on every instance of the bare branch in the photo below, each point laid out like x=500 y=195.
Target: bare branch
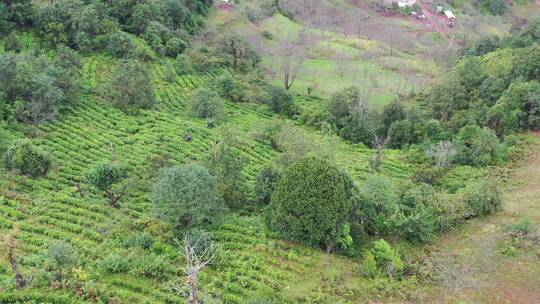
x=198 y=253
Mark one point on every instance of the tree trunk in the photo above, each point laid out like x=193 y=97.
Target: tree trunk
x=112 y=199
x=193 y=289
x=20 y=281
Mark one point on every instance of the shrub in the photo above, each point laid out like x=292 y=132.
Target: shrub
x=281 y=102
x=419 y=224
x=115 y=263
x=524 y=227
x=12 y=43
x=495 y=7
x=206 y=103
x=170 y=73
x=483 y=197
x=387 y=258
x=36 y=89
x=344 y=103
x=311 y=203
x=224 y=84
x=28 y=159
x=517 y=108
x=175 y=46
x=477 y=146
x=265 y=184
x=186 y=196
x=237 y=52
x=151 y=265
x=382 y=259
x=402 y=133
x=60 y=256
x=434 y=131
x=419 y=220
x=427 y=174
x=226 y=163
x=392 y=113
x=369 y=265
x=182 y=65
x=358 y=129
x=377 y=203
x=269 y=134
x=450 y=211
x=140 y=239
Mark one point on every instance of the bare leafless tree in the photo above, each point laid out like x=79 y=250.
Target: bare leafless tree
x=10 y=246
x=443 y=152
x=403 y=84
x=343 y=64
x=307 y=11
x=379 y=144
x=291 y=54
x=368 y=84
x=198 y=253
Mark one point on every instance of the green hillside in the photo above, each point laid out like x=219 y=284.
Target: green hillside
x=93 y=132
x=139 y=137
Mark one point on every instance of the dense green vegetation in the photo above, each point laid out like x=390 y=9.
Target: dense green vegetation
x=201 y=156
x=495 y=85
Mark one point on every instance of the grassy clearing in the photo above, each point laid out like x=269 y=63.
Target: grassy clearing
x=485 y=275
x=362 y=58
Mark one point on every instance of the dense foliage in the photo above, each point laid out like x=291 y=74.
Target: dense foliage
x=311 y=203
x=381 y=260
x=131 y=88
x=165 y=25
x=187 y=196
x=35 y=89
x=207 y=104
x=226 y=163
x=495 y=85
x=24 y=157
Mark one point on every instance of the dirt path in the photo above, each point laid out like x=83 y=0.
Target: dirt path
x=481 y=274
x=431 y=18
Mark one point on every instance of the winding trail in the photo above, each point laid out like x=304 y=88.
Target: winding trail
x=483 y=274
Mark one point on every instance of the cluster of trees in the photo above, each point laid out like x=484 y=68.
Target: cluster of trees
x=166 y=25
x=35 y=89
x=314 y=202
x=208 y=102
x=495 y=85
x=403 y=127
x=491 y=93
x=15 y=13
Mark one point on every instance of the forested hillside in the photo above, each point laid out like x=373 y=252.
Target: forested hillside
x=156 y=152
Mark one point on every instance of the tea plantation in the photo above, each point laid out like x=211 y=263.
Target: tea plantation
x=93 y=132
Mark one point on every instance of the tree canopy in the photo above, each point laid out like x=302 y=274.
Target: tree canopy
x=311 y=203
x=186 y=196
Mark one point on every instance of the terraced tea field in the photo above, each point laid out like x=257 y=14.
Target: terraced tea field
x=92 y=132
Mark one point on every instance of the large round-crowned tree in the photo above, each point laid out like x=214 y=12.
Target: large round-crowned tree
x=311 y=203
